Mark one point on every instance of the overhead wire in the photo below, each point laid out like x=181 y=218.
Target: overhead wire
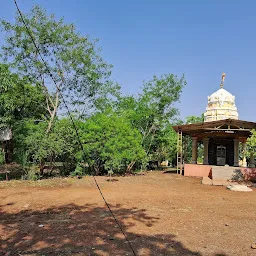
x=73 y=124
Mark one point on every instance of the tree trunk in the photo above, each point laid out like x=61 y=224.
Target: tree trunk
x=129 y=167
x=53 y=113
x=8 y=151
x=97 y=171
x=4 y=151
x=41 y=167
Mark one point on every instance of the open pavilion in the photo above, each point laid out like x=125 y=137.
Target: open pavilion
x=221 y=133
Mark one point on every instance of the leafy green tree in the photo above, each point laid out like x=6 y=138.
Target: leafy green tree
x=110 y=143
x=59 y=145
x=194 y=119
x=123 y=131
x=152 y=112
x=165 y=145
x=251 y=144
x=73 y=60
x=19 y=99
x=156 y=103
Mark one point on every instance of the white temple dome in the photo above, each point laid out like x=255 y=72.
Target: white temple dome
x=221 y=94
x=221 y=105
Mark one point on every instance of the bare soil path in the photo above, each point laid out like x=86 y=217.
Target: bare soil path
x=162 y=214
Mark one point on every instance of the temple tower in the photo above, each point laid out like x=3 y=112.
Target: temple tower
x=221 y=105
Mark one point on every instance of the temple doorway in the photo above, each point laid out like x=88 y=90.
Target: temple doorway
x=221 y=152
x=221 y=155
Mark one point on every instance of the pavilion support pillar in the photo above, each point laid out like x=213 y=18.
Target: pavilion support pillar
x=206 y=146
x=236 y=152
x=244 y=163
x=252 y=161
x=194 y=150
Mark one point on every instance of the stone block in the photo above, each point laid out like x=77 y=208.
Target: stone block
x=239 y=188
x=206 y=181
x=222 y=182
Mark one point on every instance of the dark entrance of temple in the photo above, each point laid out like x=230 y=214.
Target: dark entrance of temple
x=221 y=152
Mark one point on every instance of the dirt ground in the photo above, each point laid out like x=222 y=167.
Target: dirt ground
x=161 y=214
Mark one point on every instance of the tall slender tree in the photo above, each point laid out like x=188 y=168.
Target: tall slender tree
x=73 y=61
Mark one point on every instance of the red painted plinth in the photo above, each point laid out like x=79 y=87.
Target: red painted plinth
x=198 y=170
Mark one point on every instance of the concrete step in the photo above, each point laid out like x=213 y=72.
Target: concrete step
x=222 y=182
x=226 y=173
x=206 y=181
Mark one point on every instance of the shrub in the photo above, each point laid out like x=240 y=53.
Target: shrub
x=31 y=173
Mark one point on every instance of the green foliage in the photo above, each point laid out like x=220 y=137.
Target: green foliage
x=251 y=143
x=194 y=119
x=152 y=113
x=2 y=159
x=19 y=101
x=187 y=141
x=73 y=60
x=31 y=173
x=165 y=144
x=64 y=48
x=110 y=143
x=160 y=94
x=59 y=144
x=78 y=171
x=118 y=133
x=18 y=98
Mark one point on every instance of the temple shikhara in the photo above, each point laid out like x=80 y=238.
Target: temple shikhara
x=221 y=105
x=221 y=133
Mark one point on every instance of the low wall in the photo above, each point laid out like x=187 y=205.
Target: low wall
x=198 y=170
x=249 y=173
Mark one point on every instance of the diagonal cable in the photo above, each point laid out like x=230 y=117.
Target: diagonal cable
x=73 y=123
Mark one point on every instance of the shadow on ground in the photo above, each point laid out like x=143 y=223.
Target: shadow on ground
x=82 y=230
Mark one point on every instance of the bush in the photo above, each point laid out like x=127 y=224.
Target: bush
x=13 y=170
x=81 y=169
x=31 y=173
x=111 y=143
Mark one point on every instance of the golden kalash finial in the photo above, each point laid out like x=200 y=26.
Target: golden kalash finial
x=222 y=80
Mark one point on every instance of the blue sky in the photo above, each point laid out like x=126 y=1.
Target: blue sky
x=200 y=38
